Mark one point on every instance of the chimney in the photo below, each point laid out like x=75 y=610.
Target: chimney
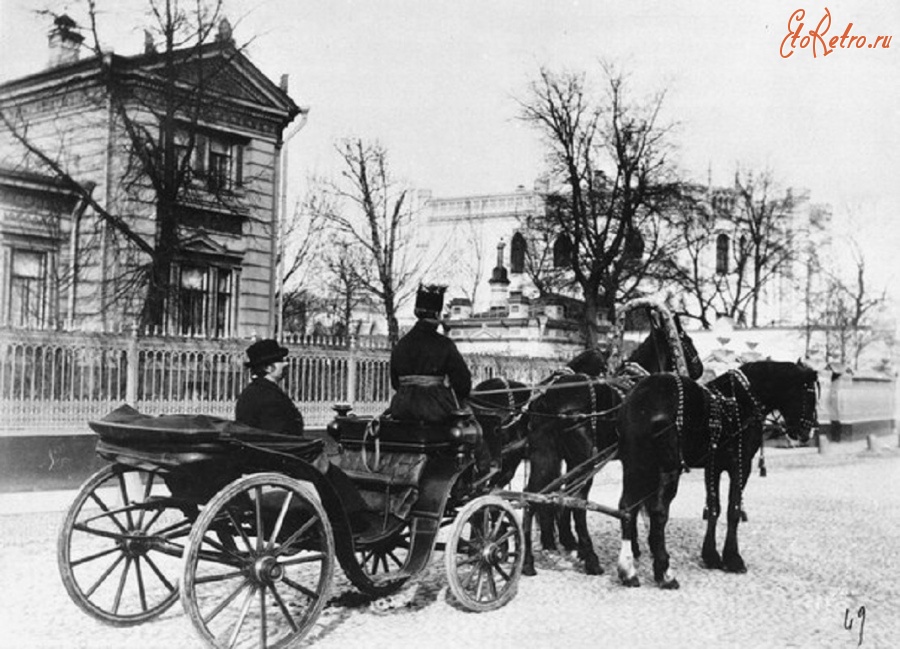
x=64 y=40
x=225 y=33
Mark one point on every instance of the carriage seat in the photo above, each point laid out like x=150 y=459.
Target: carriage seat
x=394 y=434
x=186 y=438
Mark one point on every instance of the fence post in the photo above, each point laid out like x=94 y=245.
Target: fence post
x=131 y=374
x=352 y=360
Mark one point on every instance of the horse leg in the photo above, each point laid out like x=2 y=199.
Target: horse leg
x=564 y=525
x=710 y=554
x=731 y=556
x=659 y=517
x=528 y=563
x=585 y=545
x=625 y=566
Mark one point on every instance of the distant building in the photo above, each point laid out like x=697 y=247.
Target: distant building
x=63 y=265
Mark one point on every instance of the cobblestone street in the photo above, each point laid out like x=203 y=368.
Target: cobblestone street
x=817 y=544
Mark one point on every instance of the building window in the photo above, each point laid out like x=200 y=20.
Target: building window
x=217 y=160
x=205 y=301
x=562 y=252
x=517 y=253
x=722 y=252
x=28 y=288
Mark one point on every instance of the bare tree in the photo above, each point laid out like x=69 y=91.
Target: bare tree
x=373 y=210
x=763 y=238
x=156 y=140
x=683 y=271
x=610 y=156
x=852 y=310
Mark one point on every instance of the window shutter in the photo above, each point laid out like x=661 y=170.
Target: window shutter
x=200 y=152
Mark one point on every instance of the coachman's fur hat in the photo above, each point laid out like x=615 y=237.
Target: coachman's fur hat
x=265 y=351
x=430 y=300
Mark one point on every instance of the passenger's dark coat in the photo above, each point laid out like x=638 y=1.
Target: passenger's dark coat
x=426 y=352
x=263 y=404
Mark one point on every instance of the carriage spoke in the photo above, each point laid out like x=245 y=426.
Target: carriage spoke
x=121 y=588
x=148 y=486
x=278 y=523
x=239 y=529
x=260 y=533
x=142 y=593
x=468 y=560
x=91 y=557
x=284 y=609
x=262 y=617
x=80 y=527
x=208 y=579
x=296 y=536
x=225 y=602
x=303 y=589
x=318 y=556
x=480 y=586
x=103 y=577
x=502 y=573
x=107 y=513
x=506 y=536
x=245 y=609
x=492 y=586
x=123 y=491
x=159 y=574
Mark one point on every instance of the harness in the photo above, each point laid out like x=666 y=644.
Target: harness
x=725 y=414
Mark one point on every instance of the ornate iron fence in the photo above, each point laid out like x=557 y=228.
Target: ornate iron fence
x=53 y=382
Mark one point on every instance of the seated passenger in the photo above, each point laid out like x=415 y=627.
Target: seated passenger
x=263 y=404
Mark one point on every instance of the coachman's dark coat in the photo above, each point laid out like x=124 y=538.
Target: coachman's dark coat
x=423 y=351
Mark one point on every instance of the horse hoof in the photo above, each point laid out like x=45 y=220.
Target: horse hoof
x=671 y=584
x=593 y=568
x=735 y=567
x=631 y=582
x=529 y=571
x=712 y=562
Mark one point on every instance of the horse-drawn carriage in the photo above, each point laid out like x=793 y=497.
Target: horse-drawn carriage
x=241 y=526
x=244 y=529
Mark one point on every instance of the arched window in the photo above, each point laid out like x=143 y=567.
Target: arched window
x=517 y=253
x=723 y=245
x=562 y=252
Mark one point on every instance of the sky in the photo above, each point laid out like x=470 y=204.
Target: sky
x=436 y=82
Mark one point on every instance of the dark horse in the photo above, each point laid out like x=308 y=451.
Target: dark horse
x=498 y=405
x=668 y=423
x=571 y=421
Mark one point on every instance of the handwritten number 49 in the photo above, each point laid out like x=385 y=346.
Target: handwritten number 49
x=848 y=621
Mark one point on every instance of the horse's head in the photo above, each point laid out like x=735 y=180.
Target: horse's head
x=593 y=361
x=790 y=388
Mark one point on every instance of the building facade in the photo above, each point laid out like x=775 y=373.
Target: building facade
x=94 y=151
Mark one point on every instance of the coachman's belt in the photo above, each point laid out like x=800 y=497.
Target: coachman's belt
x=423 y=380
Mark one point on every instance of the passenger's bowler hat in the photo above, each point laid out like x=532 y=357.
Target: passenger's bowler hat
x=265 y=351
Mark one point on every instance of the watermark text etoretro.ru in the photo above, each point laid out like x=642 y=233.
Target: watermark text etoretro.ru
x=820 y=42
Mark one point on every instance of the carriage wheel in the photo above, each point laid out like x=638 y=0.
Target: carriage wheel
x=484 y=554
x=120 y=545
x=382 y=562
x=259 y=563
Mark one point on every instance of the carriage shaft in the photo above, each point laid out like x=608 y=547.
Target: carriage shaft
x=560 y=500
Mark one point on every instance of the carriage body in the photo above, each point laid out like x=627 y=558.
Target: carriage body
x=243 y=528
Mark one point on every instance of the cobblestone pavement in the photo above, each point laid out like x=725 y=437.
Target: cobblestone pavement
x=817 y=545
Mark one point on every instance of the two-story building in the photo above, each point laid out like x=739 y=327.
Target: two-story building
x=118 y=171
